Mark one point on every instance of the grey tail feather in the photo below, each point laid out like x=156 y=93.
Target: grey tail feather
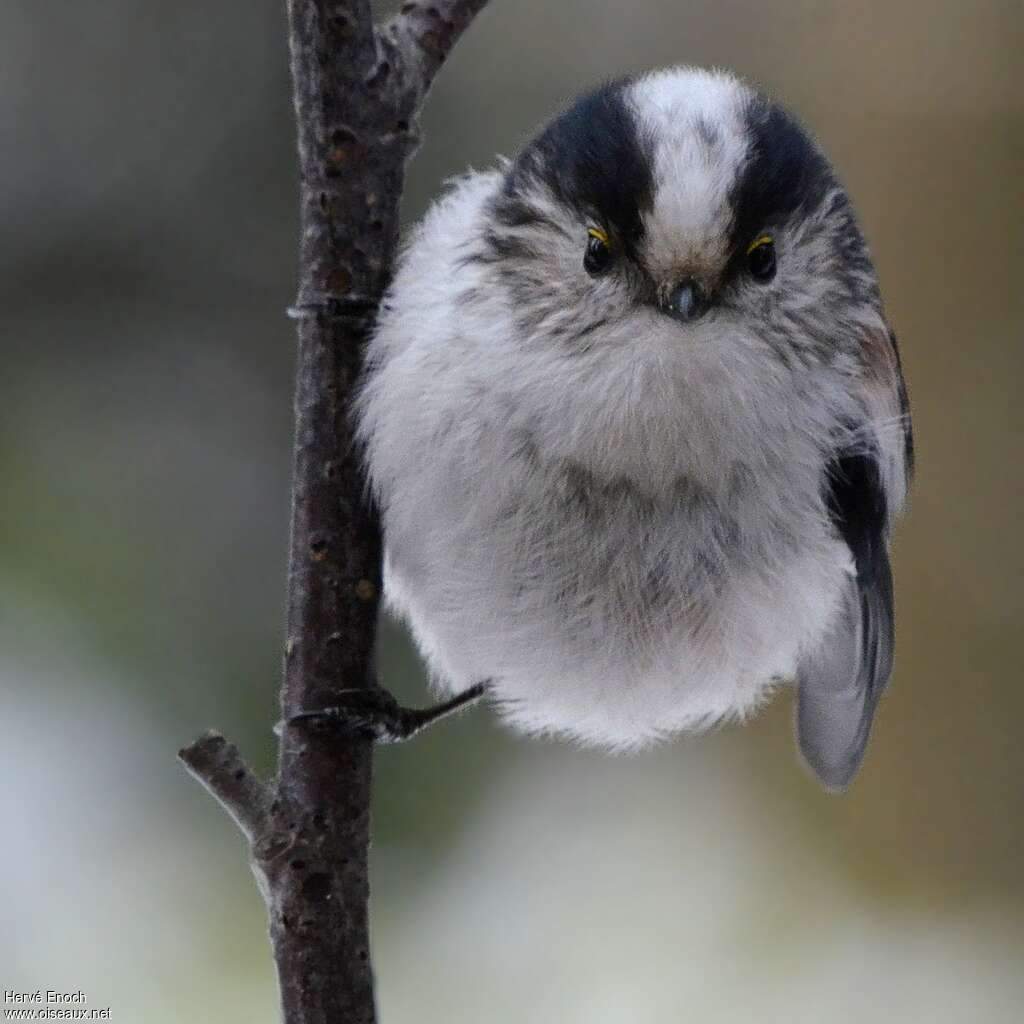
x=840 y=680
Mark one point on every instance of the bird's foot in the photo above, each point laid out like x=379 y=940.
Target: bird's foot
x=374 y=714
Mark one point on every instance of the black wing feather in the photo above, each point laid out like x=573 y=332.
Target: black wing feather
x=841 y=680
x=858 y=508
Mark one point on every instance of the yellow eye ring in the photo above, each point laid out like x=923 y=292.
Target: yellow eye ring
x=598 y=256
x=759 y=241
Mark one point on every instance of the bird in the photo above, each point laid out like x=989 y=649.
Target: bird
x=636 y=425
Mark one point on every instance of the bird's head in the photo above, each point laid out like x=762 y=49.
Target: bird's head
x=684 y=247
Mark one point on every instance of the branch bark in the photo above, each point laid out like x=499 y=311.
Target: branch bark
x=358 y=89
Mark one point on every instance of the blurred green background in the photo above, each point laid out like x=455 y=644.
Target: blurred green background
x=148 y=204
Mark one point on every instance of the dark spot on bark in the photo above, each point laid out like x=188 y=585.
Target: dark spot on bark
x=431 y=42
x=317 y=888
x=298 y=865
x=319 y=821
x=240 y=774
x=339 y=280
x=318 y=552
x=359 y=259
x=342 y=23
x=337 y=157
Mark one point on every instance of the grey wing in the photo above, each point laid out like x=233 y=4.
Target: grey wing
x=840 y=680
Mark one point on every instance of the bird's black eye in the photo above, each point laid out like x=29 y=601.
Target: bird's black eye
x=761 y=258
x=598 y=257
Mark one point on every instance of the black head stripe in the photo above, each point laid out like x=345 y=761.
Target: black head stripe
x=784 y=173
x=594 y=158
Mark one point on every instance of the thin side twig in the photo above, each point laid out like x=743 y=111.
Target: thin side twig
x=219 y=766
x=425 y=33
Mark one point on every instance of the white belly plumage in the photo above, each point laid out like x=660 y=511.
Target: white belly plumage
x=616 y=625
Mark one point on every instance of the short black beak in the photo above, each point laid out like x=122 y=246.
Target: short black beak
x=687 y=301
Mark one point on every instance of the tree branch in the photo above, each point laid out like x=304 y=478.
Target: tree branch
x=218 y=765
x=358 y=89
x=425 y=33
